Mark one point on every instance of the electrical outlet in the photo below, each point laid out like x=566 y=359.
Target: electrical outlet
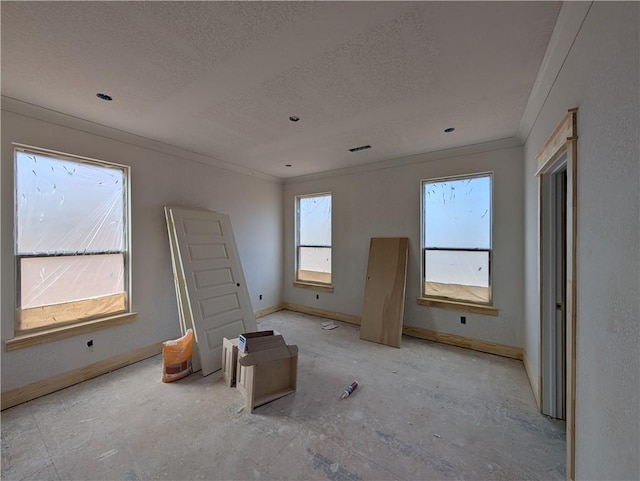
x=463 y=319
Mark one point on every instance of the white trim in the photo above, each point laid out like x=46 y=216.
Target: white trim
x=47 y=115
x=67 y=156
x=319 y=194
x=532 y=380
x=492 y=146
x=570 y=19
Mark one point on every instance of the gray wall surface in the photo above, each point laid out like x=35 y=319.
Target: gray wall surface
x=386 y=203
x=157 y=179
x=600 y=77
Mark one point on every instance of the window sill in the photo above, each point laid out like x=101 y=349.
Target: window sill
x=313 y=286
x=458 y=306
x=22 y=340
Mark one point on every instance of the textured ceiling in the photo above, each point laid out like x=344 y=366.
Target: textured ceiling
x=222 y=78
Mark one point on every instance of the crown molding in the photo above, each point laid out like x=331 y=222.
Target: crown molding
x=37 y=112
x=490 y=146
x=570 y=20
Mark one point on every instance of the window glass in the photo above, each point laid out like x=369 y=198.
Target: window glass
x=457 y=213
x=70 y=237
x=313 y=249
x=65 y=206
x=456 y=238
x=315 y=220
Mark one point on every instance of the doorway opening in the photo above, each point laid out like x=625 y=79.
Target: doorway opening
x=554 y=290
x=557 y=267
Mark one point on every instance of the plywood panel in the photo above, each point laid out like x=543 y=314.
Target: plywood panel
x=383 y=308
x=263 y=376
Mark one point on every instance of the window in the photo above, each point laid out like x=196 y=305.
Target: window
x=313 y=239
x=71 y=239
x=456 y=239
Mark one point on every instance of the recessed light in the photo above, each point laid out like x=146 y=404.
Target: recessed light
x=106 y=97
x=294 y=118
x=287 y=165
x=449 y=130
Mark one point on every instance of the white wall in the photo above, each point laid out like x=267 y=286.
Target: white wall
x=255 y=207
x=600 y=77
x=386 y=203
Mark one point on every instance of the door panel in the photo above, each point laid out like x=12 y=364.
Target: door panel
x=184 y=313
x=217 y=297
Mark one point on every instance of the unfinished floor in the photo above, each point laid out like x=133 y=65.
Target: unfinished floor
x=426 y=411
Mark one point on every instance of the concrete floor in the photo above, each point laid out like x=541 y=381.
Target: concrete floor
x=423 y=412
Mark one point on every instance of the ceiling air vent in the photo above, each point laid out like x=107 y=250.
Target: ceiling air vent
x=362 y=147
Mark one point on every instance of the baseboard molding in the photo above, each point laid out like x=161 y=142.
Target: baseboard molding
x=34 y=390
x=269 y=310
x=314 y=311
x=466 y=342
x=43 y=387
x=451 y=339
x=535 y=387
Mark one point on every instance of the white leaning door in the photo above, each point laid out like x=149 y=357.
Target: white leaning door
x=184 y=314
x=210 y=268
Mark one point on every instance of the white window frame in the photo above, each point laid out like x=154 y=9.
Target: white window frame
x=448 y=302
x=305 y=283
x=51 y=332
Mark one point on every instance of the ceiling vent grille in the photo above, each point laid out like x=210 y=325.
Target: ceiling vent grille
x=358 y=149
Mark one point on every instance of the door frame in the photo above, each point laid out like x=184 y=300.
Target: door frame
x=562 y=142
